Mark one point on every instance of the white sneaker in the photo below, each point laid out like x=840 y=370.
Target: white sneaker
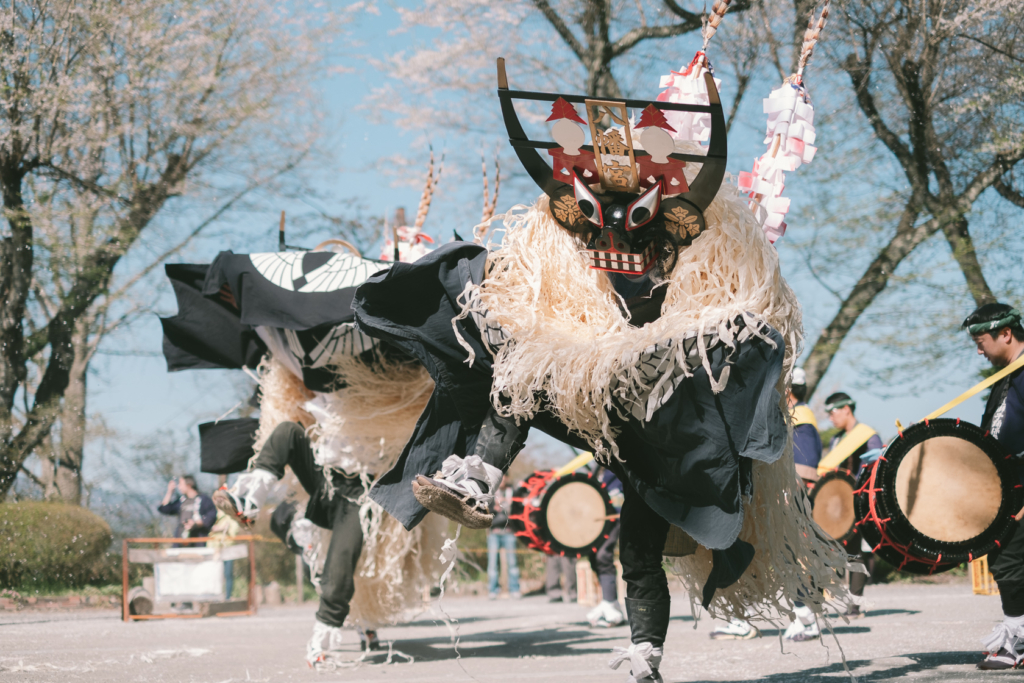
x=799 y=632
x=463 y=491
x=607 y=614
x=644 y=660
x=736 y=629
x=244 y=500
x=325 y=639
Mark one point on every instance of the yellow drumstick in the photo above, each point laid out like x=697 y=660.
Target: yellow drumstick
x=980 y=386
x=574 y=464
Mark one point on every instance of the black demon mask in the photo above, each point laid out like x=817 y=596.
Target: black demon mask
x=617 y=198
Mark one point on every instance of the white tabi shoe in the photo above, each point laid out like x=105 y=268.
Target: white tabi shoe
x=462 y=491
x=644 y=660
x=1004 y=647
x=325 y=639
x=243 y=501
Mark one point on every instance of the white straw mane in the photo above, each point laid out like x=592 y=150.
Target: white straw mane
x=570 y=344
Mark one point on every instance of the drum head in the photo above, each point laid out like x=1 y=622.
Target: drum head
x=575 y=514
x=832 y=504
x=949 y=489
x=944 y=492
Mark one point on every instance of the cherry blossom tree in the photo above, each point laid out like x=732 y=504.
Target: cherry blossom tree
x=110 y=113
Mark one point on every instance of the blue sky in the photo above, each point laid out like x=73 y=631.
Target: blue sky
x=136 y=396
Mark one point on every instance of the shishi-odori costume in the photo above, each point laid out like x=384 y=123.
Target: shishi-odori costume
x=336 y=407
x=636 y=310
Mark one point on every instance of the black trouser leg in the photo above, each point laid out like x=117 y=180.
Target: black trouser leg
x=289 y=445
x=641 y=542
x=500 y=440
x=1007 y=566
x=603 y=564
x=338 y=581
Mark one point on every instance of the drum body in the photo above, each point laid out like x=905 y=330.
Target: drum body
x=570 y=515
x=943 y=493
x=832 y=506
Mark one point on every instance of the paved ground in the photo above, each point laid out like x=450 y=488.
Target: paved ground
x=926 y=633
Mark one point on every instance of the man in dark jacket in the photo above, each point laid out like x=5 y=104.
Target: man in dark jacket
x=195 y=511
x=998 y=335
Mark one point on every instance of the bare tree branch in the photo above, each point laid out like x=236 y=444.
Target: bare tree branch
x=562 y=28
x=1008 y=193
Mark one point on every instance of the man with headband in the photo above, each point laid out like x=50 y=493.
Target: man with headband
x=840 y=408
x=998 y=335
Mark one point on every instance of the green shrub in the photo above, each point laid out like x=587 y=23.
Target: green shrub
x=52 y=545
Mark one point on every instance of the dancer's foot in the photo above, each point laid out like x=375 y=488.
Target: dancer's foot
x=997 y=661
x=1004 y=647
x=462 y=491
x=325 y=639
x=644 y=660
x=243 y=501
x=736 y=629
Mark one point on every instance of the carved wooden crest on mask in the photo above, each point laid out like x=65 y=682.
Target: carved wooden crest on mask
x=593 y=188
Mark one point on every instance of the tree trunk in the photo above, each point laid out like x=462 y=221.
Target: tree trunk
x=15 y=280
x=874 y=280
x=46 y=474
x=73 y=415
x=960 y=242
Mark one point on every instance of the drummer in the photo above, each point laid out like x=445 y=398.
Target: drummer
x=806 y=439
x=806 y=454
x=840 y=408
x=998 y=335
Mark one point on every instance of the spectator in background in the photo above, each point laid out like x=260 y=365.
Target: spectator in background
x=195 y=511
x=499 y=537
x=564 y=568
x=221 y=535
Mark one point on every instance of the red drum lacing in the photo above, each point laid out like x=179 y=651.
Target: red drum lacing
x=880 y=524
x=534 y=485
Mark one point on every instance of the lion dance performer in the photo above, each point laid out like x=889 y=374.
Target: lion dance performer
x=335 y=406
x=636 y=310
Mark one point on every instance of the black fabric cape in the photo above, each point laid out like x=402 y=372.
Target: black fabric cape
x=691 y=462
x=225 y=447
x=207 y=331
x=291 y=290
x=221 y=304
